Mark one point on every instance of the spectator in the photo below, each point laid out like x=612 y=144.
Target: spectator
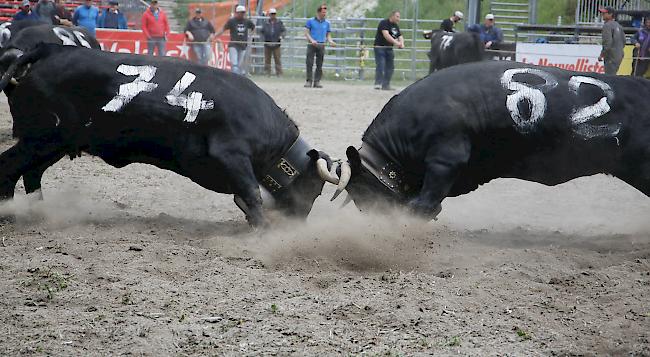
x=272 y=33
x=86 y=16
x=448 y=24
x=25 y=12
x=641 y=41
x=62 y=15
x=613 y=42
x=491 y=35
x=238 y=26
x=200 y=32
x=112 y=18
x=317 y=31
x=46 y=11
x=388 y=35
x=155 y=27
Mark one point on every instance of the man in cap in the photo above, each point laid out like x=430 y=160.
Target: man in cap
x=25 y=12
x=46 y=11
x=272 y=32
x=86 y=16
x=491 y=35
x=112 y=18
x=156 y=28
x=448 y=24
x=239 y=26
x=613 y=41
x=317 y=32
x=200 y=32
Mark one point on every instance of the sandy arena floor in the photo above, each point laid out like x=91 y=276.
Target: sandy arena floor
x=142 y=261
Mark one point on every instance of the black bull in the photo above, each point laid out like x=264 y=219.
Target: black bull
x=452 y=48
x=501 y=119
x=216 y=128
x=26 y=34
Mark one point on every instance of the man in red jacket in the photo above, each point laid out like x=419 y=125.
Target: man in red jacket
x=155 y=28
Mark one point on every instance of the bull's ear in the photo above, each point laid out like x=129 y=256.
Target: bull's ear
x=313 y=154
x=353 y=157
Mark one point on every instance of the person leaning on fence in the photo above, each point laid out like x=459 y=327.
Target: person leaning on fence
x=63 y=16
x=387 y=36
x=200 y=33
x=239 y=26
x=156 y=28
x=641 y=41
x=272 y=32
x=86 y=16
x=46 y=11
x=112 y=18
x=317 y=32
x=25 y=12
x=448 y=24
x=613 y=42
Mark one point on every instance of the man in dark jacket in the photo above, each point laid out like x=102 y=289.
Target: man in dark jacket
x=25 y=12
x=200 y=33
x=112 y=18
x=613 y=42
x=641 y=41
x=272 y=32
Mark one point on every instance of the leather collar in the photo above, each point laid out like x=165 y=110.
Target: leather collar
x=390 y=174
x=286 y=169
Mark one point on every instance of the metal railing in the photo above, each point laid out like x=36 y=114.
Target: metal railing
x=587 y=10
x=352 y=57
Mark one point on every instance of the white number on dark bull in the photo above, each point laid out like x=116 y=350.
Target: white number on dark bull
x=128 y=91
x=446 y=41
x=67 y=37
x=533 y=95
x=581 y=117
x=192 y=103
x=5 y=33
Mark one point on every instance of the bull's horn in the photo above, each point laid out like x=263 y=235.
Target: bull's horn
x=9 y=59
x=321 y=166
x=347 y=201
x=13 y=81
x=346 y=173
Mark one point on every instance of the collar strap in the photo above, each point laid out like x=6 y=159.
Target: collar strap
x=387 y=172
x=285 y=170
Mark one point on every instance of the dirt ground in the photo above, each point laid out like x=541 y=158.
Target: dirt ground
x=141 y=261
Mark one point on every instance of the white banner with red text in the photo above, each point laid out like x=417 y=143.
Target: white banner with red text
x=177 y=45
x=579 y=58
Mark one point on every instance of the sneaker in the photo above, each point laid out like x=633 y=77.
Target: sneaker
x=317 y=85
x=386 y=88
x=377 y=86
x=308 y=84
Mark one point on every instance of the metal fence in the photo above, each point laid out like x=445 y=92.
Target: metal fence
x=352 y=58
x=587 y=10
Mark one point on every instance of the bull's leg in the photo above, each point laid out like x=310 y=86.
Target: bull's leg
x=442 y=166
x=32 y=178
x=247 y=189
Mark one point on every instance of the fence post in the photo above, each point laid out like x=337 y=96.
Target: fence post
x=416 y=10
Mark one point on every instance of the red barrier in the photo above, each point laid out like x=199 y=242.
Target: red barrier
x=133 y=41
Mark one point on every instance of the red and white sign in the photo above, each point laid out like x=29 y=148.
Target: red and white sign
x=579 y=58
x=134 y=41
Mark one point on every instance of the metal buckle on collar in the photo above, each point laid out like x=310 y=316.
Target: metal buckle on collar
x=284 y=171
x=387 y=172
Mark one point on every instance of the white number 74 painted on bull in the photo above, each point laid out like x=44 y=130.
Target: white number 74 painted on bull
x=192 y=103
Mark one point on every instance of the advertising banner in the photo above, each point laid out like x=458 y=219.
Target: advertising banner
x=579 y=58
x=134 y=41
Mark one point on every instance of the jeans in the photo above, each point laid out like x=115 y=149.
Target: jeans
x=202 y=52
x=317 y=51
x=236 y=55
x=272 y=51
x=385 y=66
x=156 y=42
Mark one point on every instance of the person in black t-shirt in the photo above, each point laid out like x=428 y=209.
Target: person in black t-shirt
x=238 y=26
x=447 y=24
x=388 y=35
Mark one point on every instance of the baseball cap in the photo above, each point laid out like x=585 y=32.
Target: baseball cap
x=273 y=11
x=113 y=2
x=606 y=10
x=240 y=8
x=25 y=3
x=459 y=14
x=198 y=9
x=489 y=17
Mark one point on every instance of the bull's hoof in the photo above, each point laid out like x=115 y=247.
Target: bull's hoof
x=425 y=211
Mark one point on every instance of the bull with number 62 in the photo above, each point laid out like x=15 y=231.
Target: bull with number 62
x=216 y=128
x=463 y=126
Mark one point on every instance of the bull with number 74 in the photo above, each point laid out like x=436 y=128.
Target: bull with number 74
x=216 y=128
x=463 y=126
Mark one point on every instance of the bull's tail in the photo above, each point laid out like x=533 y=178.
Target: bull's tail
x=14 y=60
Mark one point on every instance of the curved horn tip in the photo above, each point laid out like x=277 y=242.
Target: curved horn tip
x=336 y=194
